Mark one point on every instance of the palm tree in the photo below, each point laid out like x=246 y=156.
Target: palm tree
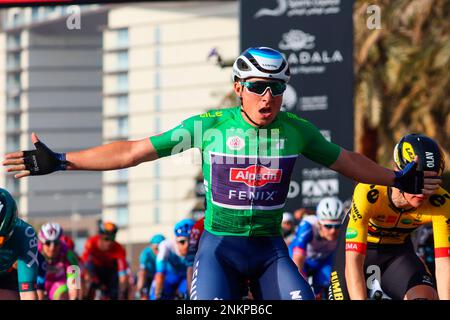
x=402 y=74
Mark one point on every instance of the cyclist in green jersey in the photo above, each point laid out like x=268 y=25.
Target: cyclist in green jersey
x=248 y=155
x=18 y=253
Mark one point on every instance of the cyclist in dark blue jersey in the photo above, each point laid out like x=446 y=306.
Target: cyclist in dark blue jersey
x=18 y=253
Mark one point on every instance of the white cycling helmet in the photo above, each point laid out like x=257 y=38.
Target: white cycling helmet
x=330 y=208
x=50 y=232
x=261 y=62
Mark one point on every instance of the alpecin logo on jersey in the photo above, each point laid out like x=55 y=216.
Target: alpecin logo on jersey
x=250 y=182
x=256 y=175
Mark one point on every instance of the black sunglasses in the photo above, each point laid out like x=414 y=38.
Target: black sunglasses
x=49 y=242
x=332 y=226
x=182 y=241
x=108 y=238
x=260 y=87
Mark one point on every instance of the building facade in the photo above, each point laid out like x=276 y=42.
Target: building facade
x=130 y=71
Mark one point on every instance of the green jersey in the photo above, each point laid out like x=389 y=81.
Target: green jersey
x=246 y=170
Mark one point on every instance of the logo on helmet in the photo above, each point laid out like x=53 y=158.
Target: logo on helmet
x=408 y=152
x=429 y=156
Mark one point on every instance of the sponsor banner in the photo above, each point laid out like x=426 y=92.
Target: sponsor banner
x=251 y=182
x=316 y=38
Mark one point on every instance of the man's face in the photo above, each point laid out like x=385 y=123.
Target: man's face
x=182 y=244
x=261 y=108
x=51 y=248
x=105 y=242
x=154 y=248
x=329 y=229
x=287 y=226
x=415 y=200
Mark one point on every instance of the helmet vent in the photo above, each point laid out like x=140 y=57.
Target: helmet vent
x=242 y=65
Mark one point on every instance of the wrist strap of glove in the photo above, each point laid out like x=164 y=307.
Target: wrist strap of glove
x=43 y=160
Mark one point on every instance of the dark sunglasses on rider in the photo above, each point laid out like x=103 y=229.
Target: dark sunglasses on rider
x=108 y=238
x=260 y=87
x=331 y=226
x=49 y=242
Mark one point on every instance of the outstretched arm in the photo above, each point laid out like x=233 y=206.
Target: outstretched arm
x=115 y=155
x=360 y=168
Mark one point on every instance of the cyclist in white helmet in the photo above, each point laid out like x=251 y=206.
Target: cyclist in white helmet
x=315 y=241
x=248 y=155
x=58 y=264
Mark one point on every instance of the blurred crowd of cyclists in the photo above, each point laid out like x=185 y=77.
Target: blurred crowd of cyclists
x=102 y=272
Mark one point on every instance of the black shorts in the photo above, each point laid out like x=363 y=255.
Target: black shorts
x=9 y=281
x=397 y=265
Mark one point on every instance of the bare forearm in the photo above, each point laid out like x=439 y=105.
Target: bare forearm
x=299 y=260
x=360 y=168
x=29 y=295
x=75 y=294
x=159 y=284
x=142 y=274
x=115 y=155
x=189 y=279
x=443 y=277
x=355 y=280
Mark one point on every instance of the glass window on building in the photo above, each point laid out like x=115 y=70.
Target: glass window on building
x=13 y=61
x=13 y=103
x=12 y=143
x=13 y=81
x=122 y=174
x=13 y=41
x=35 y=14
x=17 y=19
x=122 y=193
x=122 y=60
x=122 y=104
x=122 y=126
x=122 y=82
x=122 y=216
x=12 y=185
x=50 y=11
x=13 y=122
x=122 y=37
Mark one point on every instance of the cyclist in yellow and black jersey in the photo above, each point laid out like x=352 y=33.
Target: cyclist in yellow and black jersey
x=378 y=230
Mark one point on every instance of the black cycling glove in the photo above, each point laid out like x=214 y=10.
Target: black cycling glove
x=43 y=160
x=409 y=180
